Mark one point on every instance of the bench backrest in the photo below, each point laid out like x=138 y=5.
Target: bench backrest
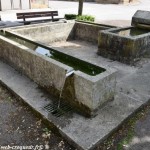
x=37 y=14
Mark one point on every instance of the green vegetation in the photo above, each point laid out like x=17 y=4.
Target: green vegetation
x=70 y=16
x=126 y=140
x=86 y=18
x=80 y=18
x=46 y=130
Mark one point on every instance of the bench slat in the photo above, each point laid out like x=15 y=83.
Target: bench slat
x=41 y=12
x=35 y=16
x=26 y=15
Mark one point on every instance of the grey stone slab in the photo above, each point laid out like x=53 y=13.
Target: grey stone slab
x=141 y=17
x=137 y=85
x=84 y=133
x=144 y=69
x=88 y=132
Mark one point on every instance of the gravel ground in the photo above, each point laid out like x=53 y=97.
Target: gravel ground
x=20 y=127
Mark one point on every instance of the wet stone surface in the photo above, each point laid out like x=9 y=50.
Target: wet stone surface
x=20 y=127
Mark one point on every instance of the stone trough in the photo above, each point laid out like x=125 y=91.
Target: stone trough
x=127 y=44
x=37 y=62
x=29 y=49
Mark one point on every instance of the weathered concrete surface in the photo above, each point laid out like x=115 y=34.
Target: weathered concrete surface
x=48 y=32
x=47 y=72
x=95 y=91
x=124 y=48
x=92 y=131
x=116 y=44
x=137 y=86
x=88 y=53
x=141 y=17
x=82 y=132
x=88 y=32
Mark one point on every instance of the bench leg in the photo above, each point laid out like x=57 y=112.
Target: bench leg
x=52 y=19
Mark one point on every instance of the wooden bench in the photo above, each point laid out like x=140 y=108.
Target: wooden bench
x=27 y=15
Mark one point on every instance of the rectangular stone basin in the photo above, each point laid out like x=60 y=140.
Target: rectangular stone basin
x=124 y=44
x=131 y=32
x=29 y=50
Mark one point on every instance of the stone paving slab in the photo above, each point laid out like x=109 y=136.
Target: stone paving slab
x=83 y=133
x=137 y=86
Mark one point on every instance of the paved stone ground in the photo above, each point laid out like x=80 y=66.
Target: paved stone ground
x=20 y=127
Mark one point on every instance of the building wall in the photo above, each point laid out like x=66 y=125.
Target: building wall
x=113 y=1
x=22 y=4
x=39 y=3
x=104 y=1
x=14 y=4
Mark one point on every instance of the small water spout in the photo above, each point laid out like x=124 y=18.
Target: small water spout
x=69 y=73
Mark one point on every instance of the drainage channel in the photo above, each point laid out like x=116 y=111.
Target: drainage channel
x=71 y=61
x=60 y=111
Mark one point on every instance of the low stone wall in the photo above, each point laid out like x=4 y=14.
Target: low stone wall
x=88 y=32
